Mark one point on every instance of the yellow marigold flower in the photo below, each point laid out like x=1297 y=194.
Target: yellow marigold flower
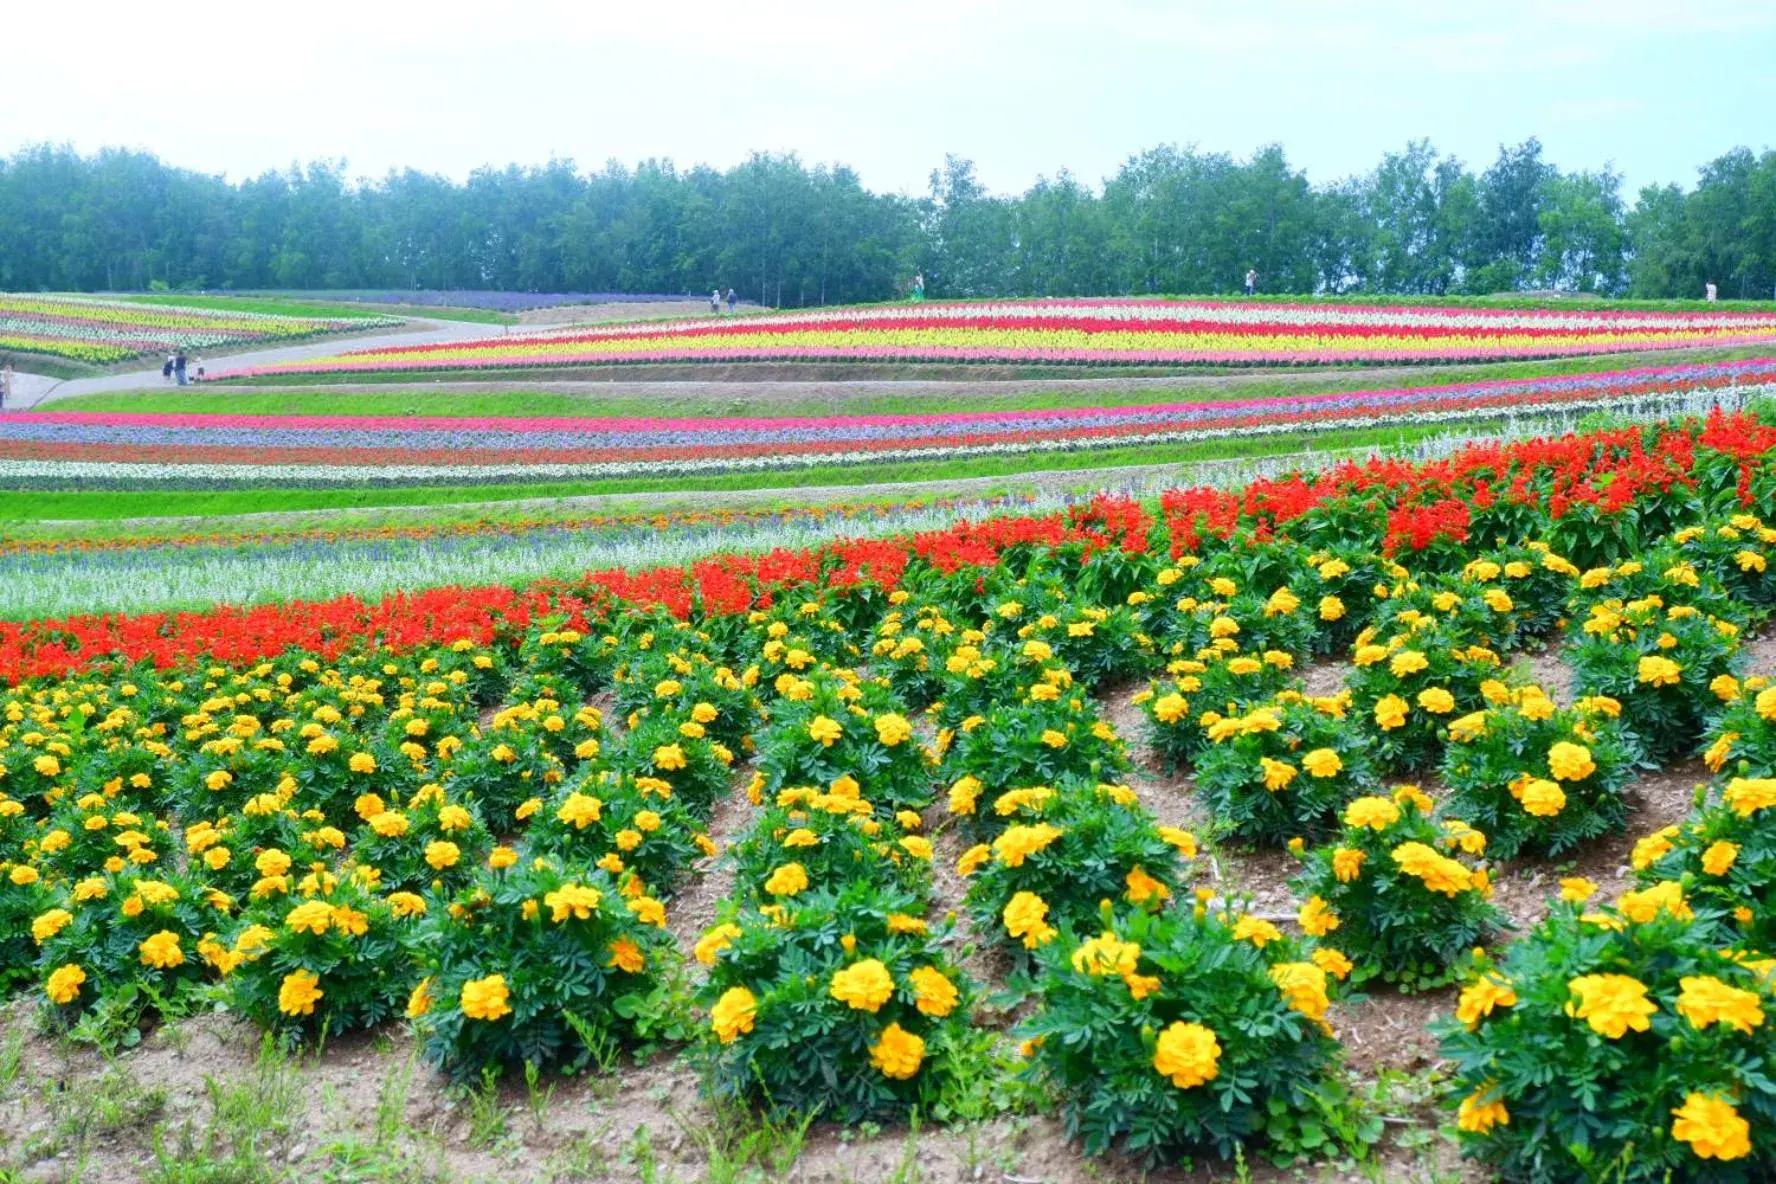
x=973 y=859
x=1707 y=1000
x=1390 y=712
x=1183 y=840
x=486 y=998
x=1256 y=930
x=1407 y=662
x=897 y=1054
x=299 y=993
x=407 y=904
x=161 y=951
x=1712 y=1128
x=580 y=811
x=1436 y=700
x=442 y=855
x=1720 y=857
x=314 y=916
x=1322 y=762
x=787 y=880
x=48 y=924
x=419 y=1001
x=1482 y=1110
x=1054 y=739
x=1376 y=813
x=934 y=993
x=1332 y=962
x=892 y=729
x=1437 y=872
x=1347 y=862
x=1480 y=997
x=1316 y=917
x=1277 y=774
x=1188 y=1054
x=712 y=943
x=626 y=956
x=918 y=846
x=362 y=762
x=1542 y=798
x=1577 y=889
x=63 y=986
x=1331 y=608
x=647 y=910
x=1018 y=843
x=1659 y=672
x=572 y=902
x=1303 y=985
x=1025 y=918
x=1468 y=728
x=863 y=986
x=1143 y=887
x=825 y=729
x=1170 y=708
x=1570 y=762
x=390 y=824
x=501 y=857
x=1654 y=847
x=1612 y=1004
x=1748 y=795
x=733 y=1014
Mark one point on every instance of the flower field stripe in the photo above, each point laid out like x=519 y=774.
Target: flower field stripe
x=1127 y=332
x=94 y=330
x=120 y=449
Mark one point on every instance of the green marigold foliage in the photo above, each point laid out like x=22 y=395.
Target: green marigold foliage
x=1663 y=664
x=536 y=964
x=1283 y=769
x=621 y=824
x=1409 y=686
x=1393 y=892
x=1537 y=778
x=1166 y=1035
x=1215 y=682
x=679 y=752
x=336 y=960
x=838 y=1003
x=1742 y=738
x=827 y=727
x=1054 y=733
x=1058 y=852
x=1621 y=1045
x=1725 y=856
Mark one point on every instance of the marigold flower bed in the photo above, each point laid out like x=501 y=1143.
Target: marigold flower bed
x=337 y=816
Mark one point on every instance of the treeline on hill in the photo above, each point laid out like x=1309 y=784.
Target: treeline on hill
x=1171 y=220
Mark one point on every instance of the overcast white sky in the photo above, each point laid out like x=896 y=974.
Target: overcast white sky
x=1026 y=88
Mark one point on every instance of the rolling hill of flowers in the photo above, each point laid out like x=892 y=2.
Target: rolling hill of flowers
x=1125 y=332
x=87 y=329
x=474 y=811
x=54 y=448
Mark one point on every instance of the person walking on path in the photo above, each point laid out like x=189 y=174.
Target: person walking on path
x=918 y=292
x=166 y=371
x=5 y=383
x=200 y=370
x=179 y=368
x=732 y=301
x=715 y=303
x=1251 y=281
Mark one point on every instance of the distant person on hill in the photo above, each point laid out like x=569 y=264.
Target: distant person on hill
x=5 y=383
x=1251 y=281
x=918 y=286
x=715 y=302
x=179 y=368
x=1709 y=292
x=200 y=370
x=166 y=369
x=732 y=301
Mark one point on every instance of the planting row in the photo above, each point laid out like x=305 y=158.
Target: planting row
x=207 y=450
x=1090 y=332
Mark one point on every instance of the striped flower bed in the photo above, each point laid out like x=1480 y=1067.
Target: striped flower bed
x=103 y=331
x=58 y=448
x=1088 y=332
